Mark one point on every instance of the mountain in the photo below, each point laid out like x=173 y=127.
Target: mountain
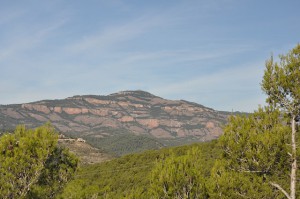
x=123 y=122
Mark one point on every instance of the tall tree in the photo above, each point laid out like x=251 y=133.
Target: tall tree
x=58 y=169
x=254 y=154
x=281 y=82
x=25 y=155
x=22 y=159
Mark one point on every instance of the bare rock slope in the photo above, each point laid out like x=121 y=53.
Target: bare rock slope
x=138 y=117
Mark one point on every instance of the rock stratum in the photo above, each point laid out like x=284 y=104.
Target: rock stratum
x=128 y=118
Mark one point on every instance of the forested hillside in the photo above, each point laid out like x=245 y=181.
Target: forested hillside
x=130 y=175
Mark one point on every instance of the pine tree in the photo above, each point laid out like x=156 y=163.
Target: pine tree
x=281 y=82
x=22 y=158
x=26 y=156
x=58 y=169
x=179 y=177
x=254 y=154
x=261 y=149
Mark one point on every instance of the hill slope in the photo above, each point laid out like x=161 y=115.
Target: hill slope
x=121 y=118
x=121 y=177
x=85 y=152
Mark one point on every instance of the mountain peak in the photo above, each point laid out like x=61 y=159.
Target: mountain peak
x=135 y=93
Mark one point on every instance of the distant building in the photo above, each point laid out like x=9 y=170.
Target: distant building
x=80 y=140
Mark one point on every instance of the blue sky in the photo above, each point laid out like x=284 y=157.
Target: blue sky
x=207 y=51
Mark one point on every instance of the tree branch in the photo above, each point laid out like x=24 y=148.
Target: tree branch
x=243 y=196
x=281 y=189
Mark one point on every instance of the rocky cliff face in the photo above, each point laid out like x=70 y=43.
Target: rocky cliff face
x=129 y=112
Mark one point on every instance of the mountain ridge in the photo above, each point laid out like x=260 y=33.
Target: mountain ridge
x=109 y=118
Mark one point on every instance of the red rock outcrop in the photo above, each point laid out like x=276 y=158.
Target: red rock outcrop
x=135 y=112
x=38 y=117
x=160 y=133
x=150 y=123
x=11 y=113
x=126 y=119
x=100 y=112
x=36 y=107
x=89 y=120
x=96 y=101
x=57 y=109
x=72 y=111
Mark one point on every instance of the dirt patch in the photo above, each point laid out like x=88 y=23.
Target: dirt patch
x=86 y=153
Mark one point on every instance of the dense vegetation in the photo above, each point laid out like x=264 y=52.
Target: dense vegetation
x=257 y=157
x=121 y=143
x=32 y=165
x=254 y=152
x=125 y=143
x=281 y=84
x=130 y=175
x=144 y=175
x=261 y=150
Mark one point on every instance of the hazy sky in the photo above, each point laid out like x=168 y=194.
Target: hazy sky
x=207 y=51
